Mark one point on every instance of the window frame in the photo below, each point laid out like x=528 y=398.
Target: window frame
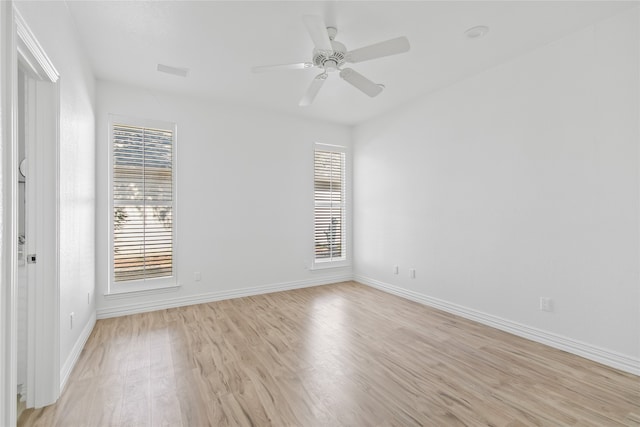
x=160 y=284
x=345 y=260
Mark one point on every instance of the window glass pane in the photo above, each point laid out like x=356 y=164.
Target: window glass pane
x=142 y=203
x=329 y=212
x=328 y=232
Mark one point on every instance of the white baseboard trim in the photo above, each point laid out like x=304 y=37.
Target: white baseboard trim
x=588 y=351
x=71 y=361
x=141 y=307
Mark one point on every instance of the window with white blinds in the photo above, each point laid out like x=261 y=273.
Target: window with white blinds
x=330 y=207
x=143 y=202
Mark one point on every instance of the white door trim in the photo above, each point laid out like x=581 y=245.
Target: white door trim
x=17 y=41
x=43 y=369
x=8 y=213
x=30 y=51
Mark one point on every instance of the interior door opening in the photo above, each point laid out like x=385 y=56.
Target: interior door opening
x=29 y=216
x=37 y=287
x=22 y=285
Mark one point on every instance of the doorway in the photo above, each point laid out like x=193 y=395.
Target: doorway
x=22 y=285
x=37 y=287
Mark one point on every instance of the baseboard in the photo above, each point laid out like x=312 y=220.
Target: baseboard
x=21 y=406
x=142 y=307
x=71 y=361
x=588 y=351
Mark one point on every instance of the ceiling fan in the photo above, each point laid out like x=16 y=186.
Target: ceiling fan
x=330 y=56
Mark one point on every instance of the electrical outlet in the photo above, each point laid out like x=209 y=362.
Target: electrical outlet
x=197 y=276
x=396 y=270
x=412 y=273
x=88 y=298
x=546 y=304
x=71 y=319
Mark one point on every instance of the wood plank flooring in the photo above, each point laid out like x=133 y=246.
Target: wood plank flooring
x=337 y=355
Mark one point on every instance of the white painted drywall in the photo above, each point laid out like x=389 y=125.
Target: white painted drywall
x=521 y=182
x=245 y=203
x=53 y=27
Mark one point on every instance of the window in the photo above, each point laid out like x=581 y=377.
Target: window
x=330 y=242
x=142 y=204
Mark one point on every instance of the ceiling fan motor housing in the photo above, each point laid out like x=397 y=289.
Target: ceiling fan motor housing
x=330 y=61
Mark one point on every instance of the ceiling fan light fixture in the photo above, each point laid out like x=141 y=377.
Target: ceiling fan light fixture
x=476 y=32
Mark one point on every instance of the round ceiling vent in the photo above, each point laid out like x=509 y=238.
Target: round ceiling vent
x=476 y=32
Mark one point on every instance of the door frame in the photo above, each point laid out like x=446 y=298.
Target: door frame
x=43 y=344
x=8 y=214
x=20 y=46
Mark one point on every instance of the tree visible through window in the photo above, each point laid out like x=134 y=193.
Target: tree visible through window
x=143 y=202
x=329 y=200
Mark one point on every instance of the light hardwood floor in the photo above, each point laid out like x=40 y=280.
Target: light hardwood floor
x=337 y=355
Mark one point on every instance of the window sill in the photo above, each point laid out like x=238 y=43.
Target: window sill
x=329 y=264
x=141 y=292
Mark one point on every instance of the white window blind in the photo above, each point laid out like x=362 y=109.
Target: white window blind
x=143 y=202
x=329 y=200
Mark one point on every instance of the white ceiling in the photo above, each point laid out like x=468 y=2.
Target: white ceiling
x=219 y=41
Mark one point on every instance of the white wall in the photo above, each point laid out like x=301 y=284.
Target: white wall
x=245 y=207
x=53 y=27
x=518 y=183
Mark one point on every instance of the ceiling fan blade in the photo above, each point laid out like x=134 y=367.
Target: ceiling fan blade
x=279 y=67
x=313 y=90
x=378 y=50
x=318 y=32
x=360 y=82
x=331 y=13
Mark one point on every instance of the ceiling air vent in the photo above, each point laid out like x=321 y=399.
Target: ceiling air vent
x=176 y=71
